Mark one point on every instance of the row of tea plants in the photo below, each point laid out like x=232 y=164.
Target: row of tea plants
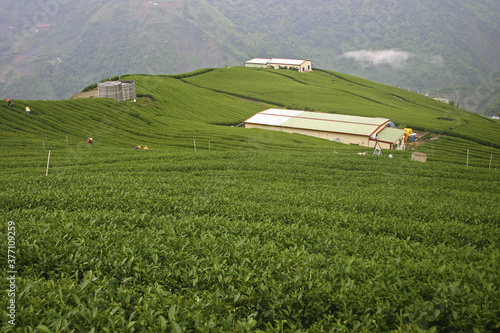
x=168 y=240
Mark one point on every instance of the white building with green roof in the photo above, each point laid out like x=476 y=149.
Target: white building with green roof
x=300 y=65
x=362 y=131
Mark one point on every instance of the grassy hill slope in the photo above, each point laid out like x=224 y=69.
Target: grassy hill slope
x=260 y=231
x=203 y=105
x=341 y=93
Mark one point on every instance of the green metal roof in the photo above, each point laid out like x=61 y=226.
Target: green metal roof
x=328 y=122
x=389 y=134
x=331 y=122
x=342 y=118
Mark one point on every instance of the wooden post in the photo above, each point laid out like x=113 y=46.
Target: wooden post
x=194 y=141
x=491 y=160
x=43 y=143
x=467 y=157
x=48 y=161
x=208 y=145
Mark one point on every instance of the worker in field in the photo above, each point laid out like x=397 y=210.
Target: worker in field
x=10 y=102
x=27 y=109
x=89 y=140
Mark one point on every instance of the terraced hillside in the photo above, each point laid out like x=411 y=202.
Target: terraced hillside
x=255 y=231
x=205 y=104
x=341 y=93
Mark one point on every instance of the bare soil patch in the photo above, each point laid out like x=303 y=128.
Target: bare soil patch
x=87 y=94
x=421 y=138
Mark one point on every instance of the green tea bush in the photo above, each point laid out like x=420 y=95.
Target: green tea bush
x=252 y=240
x=255 y=230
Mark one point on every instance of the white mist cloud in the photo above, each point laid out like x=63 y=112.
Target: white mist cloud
x=371 y=58
x=438 y=60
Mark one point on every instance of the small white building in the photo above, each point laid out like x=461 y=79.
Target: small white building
x=362 y=131
x=300 y=65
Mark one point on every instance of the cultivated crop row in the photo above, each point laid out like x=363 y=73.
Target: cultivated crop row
x=167 y=240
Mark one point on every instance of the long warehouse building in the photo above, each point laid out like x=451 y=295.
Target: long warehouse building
x=362 y=131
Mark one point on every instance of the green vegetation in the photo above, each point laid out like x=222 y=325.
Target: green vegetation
x=341 y=93
x=455 y=45
x=256 y=230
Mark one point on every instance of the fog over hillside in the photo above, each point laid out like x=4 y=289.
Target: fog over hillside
x=51 y=49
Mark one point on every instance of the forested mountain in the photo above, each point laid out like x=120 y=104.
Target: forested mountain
x=51 y=49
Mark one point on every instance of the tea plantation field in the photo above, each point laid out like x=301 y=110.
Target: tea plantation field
x=254 y=231
x=251 y=240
